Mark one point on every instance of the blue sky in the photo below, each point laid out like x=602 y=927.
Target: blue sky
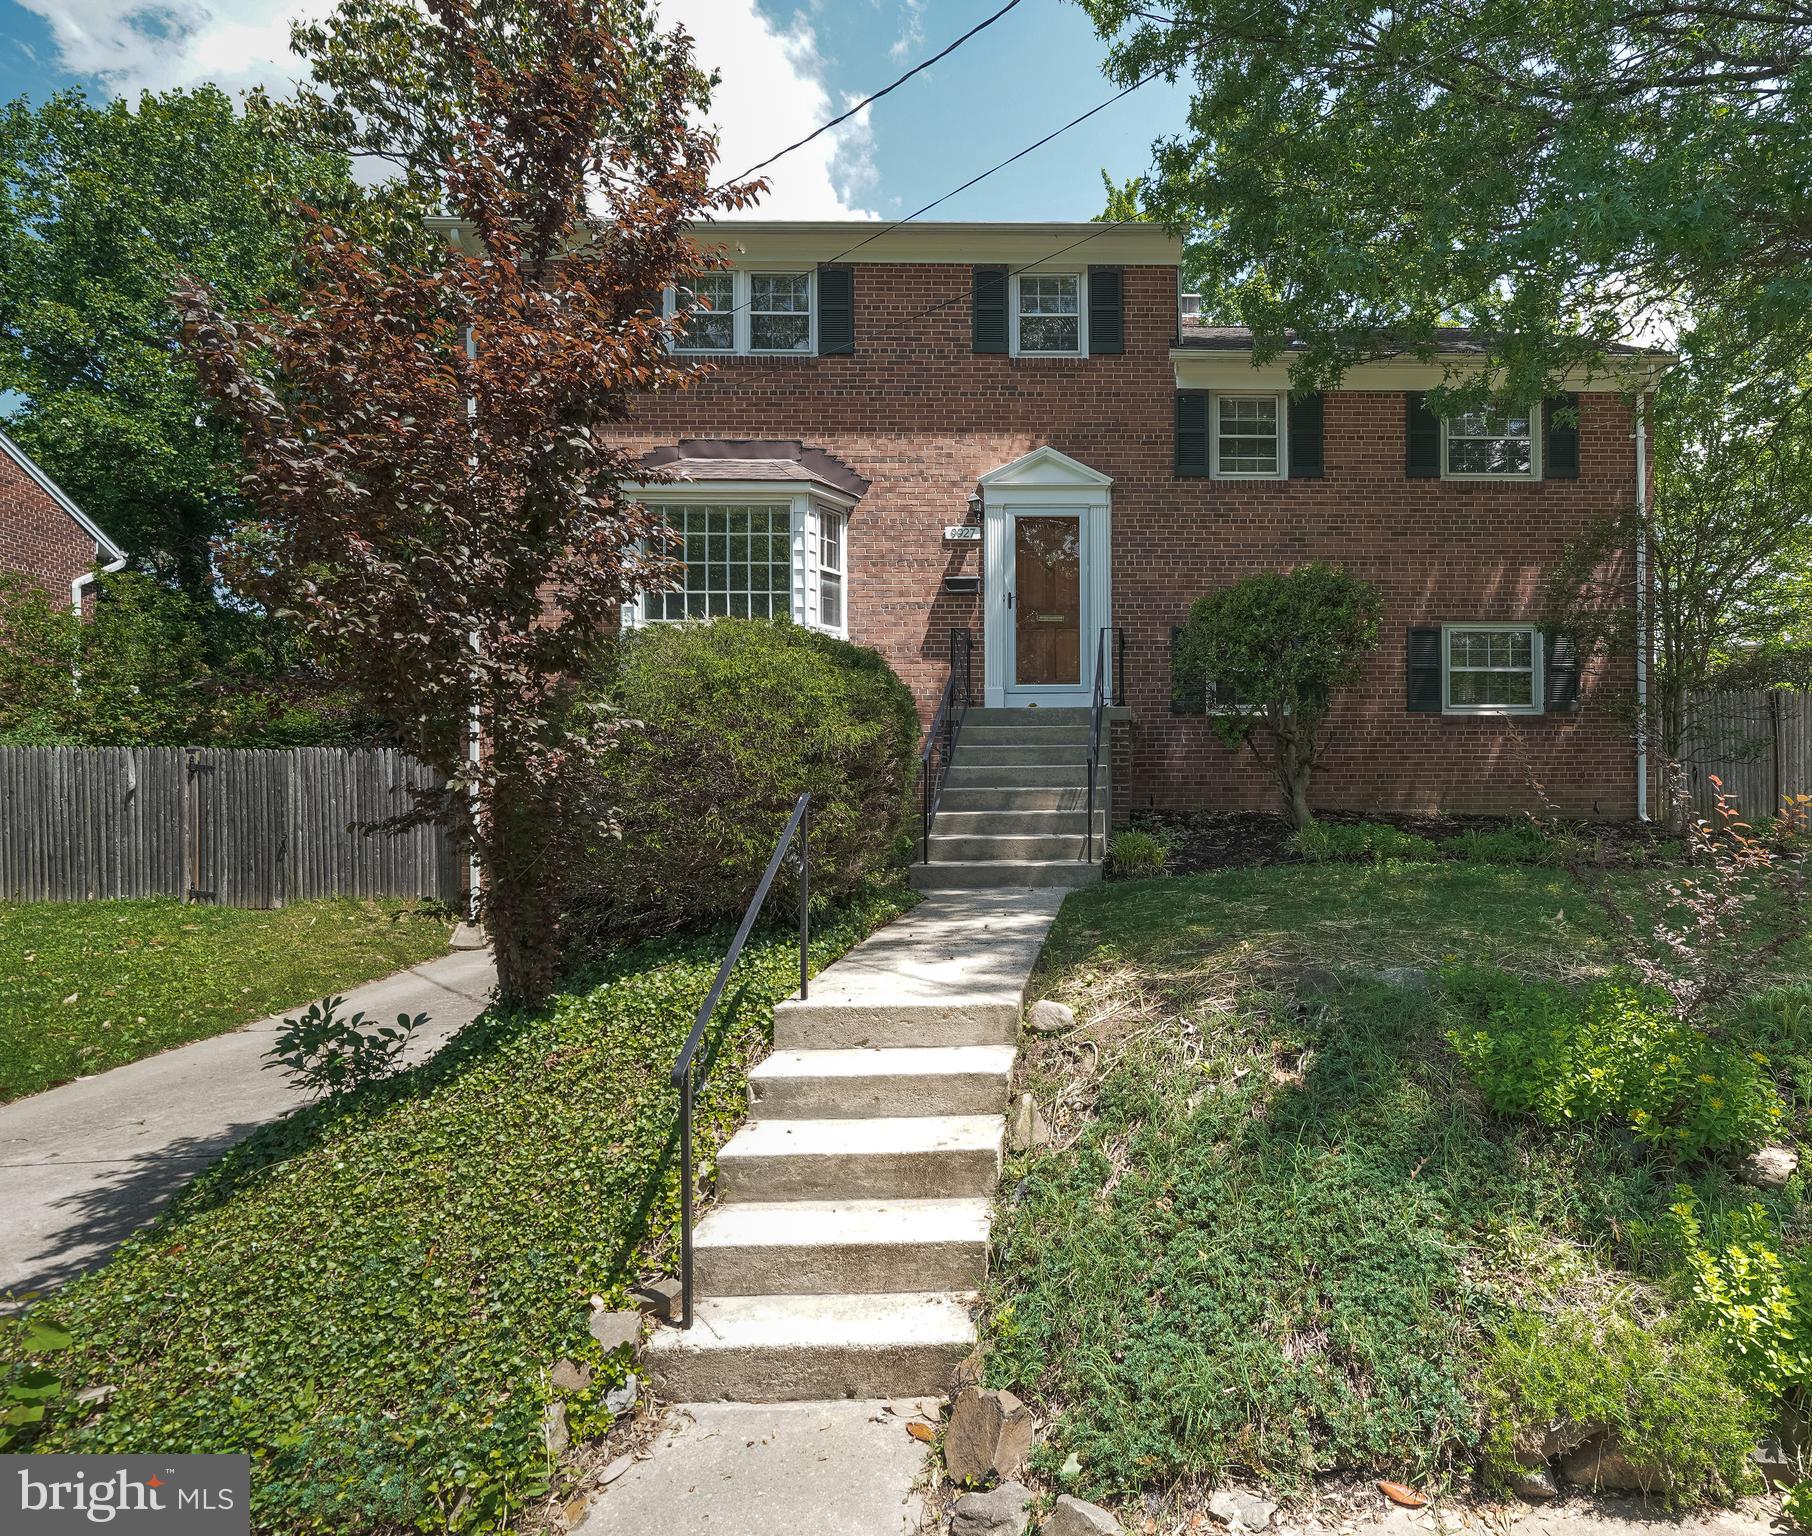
x=786 y=68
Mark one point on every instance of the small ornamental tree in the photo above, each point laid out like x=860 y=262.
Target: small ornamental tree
x=433 y=497
x=1272 y=648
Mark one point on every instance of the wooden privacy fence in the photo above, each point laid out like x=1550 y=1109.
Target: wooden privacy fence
x=240 y=826
x=1758 y=744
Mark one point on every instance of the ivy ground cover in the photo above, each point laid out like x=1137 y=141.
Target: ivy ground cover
x=368 y=1296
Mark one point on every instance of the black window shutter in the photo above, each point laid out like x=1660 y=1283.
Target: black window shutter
x=1560 y=675
x=1181 y=701
x=1422 y=669
x=1106 y=311
x=1421 y=438
x=836 y=311
x=1560 y=440
x=1192 y=432
x=1305 y=437
x=988 y=291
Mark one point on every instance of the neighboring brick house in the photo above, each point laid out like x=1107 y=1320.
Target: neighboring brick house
x=44 y=536
x=876 y=390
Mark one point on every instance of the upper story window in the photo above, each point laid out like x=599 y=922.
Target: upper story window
x=1490 y=445
x=1248 y=437
x=1491 y=669
x=747 y=312
x=1049 y=316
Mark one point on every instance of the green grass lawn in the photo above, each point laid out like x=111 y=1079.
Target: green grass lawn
x=1281 y=1226
x=89 y=985
x=368 y=1296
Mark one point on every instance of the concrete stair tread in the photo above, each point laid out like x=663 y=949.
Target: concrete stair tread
x=952 y=875
x=887 y=1061
x=824 y=1322
x=833 y=1223
x=882 y=1136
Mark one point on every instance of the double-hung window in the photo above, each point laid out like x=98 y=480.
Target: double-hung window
x=1491 y=669
x=1248 y=437
x=1490 y=445
x=711 y=323
x=1048 y=315
x=830 y=571
x=746 y=312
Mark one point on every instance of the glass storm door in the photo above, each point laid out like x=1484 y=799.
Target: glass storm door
x=1047 y=601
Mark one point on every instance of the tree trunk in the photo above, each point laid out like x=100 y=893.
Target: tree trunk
x=522 y=895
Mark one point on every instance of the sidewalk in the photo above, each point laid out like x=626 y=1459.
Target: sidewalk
x=83 y=1166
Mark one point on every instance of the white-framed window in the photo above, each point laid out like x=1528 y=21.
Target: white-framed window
x=1050 y=314
x=738 y=563
x=830 y=571
x=754 y=312
x=1491 y=669
x=1491 y=445
x=749 y=549
x=711 y=326
x=1248 y=441
x=1229 y=701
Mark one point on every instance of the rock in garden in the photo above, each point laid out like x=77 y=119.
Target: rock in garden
x=1600 y=1464
x=1000 y=1513
x=1778 y=1463
x=613 y=1330
x=1317 y=978
x=1770 y=1167
x=1028 y=1128
x=1234 y=1506
x=1077 y=1517
x=660 y=1297
x=620 y=1399
x=570 y=1376
x=989 y=1436
x=1534 y=1483
x=1411 y=978
x=553 y=1428
x=1049 y=1018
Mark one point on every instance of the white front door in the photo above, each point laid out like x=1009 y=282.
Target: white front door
x=1045 y=579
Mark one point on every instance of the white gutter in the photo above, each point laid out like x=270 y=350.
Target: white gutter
x=78 y=589
x=474 y=725
x=1643 y=638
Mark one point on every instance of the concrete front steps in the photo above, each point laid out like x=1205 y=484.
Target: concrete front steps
x=1014 y=810
x=851 y=1232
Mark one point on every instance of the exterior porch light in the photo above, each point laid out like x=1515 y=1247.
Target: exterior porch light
x=974 y=506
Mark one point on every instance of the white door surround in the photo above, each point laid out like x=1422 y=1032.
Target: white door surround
x=1052 y=483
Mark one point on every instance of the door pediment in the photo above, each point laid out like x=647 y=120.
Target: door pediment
x=1045 y=468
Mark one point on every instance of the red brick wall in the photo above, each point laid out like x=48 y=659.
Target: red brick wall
x=38 y=539
x=921 y=416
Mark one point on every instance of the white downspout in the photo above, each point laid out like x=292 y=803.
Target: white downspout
x=1642 y=622
x=78 y=588
x=474 y=867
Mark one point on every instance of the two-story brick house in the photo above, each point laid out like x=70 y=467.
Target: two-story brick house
x=1011 y=429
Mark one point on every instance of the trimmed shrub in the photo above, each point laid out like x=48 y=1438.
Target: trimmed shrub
x=731 y=722
x=1611 y=1051
x=1662 y=1392
x=1367 y=842
x=1135 y=855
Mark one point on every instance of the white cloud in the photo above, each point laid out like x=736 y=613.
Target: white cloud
x=773 y=89
x=912 y=28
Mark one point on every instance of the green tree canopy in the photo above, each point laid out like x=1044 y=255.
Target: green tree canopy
x=1554 y=172
x=101 y=207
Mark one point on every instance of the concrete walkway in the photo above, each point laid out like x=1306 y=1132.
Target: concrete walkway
x=85 y=1165
x=770 y=1469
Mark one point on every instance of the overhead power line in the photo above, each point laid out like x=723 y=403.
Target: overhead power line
x=980 y=26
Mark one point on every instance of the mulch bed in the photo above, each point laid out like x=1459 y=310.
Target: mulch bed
x=1204 y=840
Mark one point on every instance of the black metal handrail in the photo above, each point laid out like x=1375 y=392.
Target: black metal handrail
x=940 y=739
x=1108 y=653
x=684 y=1077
